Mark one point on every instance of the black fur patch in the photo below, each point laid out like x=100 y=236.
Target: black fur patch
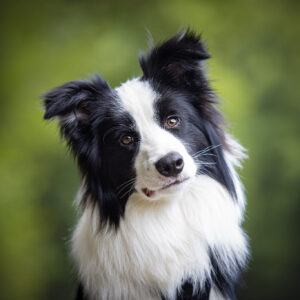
x=80 y=294
x=90 y=117
x=175 y=62
x=224 y=277
x=187 y=291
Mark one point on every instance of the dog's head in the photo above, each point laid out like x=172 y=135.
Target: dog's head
x=150 y=136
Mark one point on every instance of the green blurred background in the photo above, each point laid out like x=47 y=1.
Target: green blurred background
x=255 y=69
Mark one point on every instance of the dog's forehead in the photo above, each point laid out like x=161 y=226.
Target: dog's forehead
x=138 y=99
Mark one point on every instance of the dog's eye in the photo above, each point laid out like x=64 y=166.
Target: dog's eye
x=172 y=122
x=127 y=140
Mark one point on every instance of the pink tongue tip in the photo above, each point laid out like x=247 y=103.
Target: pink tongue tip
x=147 y=192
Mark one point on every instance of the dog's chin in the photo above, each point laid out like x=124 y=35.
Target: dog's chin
x=172 y=189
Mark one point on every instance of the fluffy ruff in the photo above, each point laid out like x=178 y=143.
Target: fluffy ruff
x=162 y=202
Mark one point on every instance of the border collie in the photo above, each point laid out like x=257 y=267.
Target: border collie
x=162 y=202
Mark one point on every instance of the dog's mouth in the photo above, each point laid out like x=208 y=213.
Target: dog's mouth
x=150 y=193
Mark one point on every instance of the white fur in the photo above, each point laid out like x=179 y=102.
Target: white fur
x=160 y=243
x=233 y=159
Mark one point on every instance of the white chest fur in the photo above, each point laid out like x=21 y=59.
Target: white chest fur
x=159 y=244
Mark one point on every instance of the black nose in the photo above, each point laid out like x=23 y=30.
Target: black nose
x=170 y=165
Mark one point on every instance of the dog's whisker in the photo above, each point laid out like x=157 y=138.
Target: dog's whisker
x=129 y=184
x=207 y=163
x=124 y=194
x=202 y=152
x=125 y=183
x=128 y=192
x=200 y=163
x=207 y=154
x=125 y=187
x=206 y=150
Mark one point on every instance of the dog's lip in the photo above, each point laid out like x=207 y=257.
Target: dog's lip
x=149 y=193
x=175 y=182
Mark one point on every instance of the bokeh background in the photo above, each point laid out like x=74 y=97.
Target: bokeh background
x=255 y=70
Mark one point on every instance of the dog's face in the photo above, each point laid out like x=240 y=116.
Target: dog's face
x=151 y=136
x=160 y=138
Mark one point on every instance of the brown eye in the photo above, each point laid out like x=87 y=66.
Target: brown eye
x=127 y=140
x=172 y=122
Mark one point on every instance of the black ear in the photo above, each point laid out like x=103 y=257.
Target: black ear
x=176 y=62
x=75 y=99
x=77 y=104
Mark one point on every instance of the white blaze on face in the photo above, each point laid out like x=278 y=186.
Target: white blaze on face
x=138 y=98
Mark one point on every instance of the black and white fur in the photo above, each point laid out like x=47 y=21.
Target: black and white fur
x=147 y=232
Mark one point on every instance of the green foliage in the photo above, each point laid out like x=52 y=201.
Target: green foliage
x=255 y=45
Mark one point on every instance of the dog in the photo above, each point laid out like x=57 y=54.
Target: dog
x=162 y=203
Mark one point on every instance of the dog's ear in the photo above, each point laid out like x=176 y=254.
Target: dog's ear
x=176 y=62
x=75 y=100
x=76 y=105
